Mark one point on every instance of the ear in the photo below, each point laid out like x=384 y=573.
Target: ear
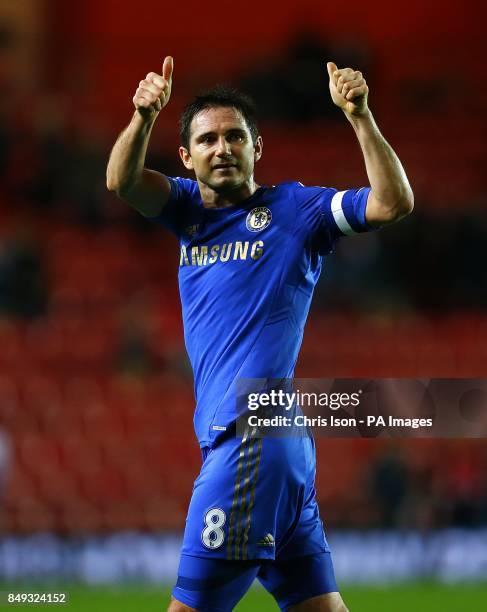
x=258 y=147
x=186 y=158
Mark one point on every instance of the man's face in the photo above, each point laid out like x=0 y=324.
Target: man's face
x=221 y=151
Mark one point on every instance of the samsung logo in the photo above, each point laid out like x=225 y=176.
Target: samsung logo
x=230 y=251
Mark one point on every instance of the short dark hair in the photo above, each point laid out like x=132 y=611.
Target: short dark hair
x=219 y=96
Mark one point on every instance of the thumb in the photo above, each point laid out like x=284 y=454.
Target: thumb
x=331 y=67
x=167 y=68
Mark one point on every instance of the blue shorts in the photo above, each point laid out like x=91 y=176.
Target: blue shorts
x=217 y=585
x=254 y=503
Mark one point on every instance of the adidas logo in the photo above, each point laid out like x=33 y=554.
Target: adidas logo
x=267 y=540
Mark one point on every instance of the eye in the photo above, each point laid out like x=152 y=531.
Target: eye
x=236 y=137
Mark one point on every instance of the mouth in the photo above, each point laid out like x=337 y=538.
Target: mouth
x=225 y=166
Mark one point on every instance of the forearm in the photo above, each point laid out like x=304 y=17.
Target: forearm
x=127 y=158
x=386 y=174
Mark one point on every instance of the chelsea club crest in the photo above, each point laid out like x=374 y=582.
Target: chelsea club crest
x=258 y=219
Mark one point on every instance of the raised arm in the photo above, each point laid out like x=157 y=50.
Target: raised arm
x=391 y=197
x=145 y=190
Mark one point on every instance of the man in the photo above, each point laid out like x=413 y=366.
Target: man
x=250 y=258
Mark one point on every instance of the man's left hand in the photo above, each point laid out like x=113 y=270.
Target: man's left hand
x=348 y=90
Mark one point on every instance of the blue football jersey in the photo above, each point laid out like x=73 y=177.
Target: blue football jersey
x=246 y=279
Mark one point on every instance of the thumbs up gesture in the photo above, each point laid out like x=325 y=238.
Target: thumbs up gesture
x=154 y=91
x=348 y=90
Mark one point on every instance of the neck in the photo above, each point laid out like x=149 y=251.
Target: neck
x=225 y=198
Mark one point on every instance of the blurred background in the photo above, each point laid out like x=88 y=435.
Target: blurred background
x=97 y=453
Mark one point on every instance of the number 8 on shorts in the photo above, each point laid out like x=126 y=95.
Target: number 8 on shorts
x=212 y=535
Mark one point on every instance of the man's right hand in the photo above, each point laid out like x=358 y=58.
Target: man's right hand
x=154 y=91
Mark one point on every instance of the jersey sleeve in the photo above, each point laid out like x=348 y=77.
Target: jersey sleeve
x=331 y=214
x=182 y=198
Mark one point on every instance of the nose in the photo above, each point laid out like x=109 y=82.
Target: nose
x=223 y=148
